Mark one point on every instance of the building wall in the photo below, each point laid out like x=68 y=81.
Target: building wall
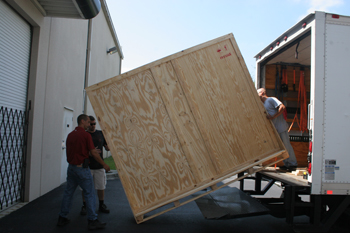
x=56 y=81
x=64 y=88
x=104 y=65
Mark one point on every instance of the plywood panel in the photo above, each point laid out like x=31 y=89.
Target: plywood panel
x=180 y=113
x=143 y=139
x=222 y=104
x=184 y=123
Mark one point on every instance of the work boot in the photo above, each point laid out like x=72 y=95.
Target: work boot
x=103 y=209
x=62 y=221
x=95 y=224
x=83 y=210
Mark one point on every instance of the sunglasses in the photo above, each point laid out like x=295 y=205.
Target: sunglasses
x=92 y=124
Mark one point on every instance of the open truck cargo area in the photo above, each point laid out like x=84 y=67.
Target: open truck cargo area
x=183 y=124
x=307 y=69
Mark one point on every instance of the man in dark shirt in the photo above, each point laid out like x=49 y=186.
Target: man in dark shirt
x=97 y=171
x=78 y=146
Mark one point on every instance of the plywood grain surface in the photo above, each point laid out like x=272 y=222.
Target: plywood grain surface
x=184 y=123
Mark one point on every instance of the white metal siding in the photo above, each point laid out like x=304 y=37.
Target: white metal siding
x=336 y=149
x=316 y=99
x=15 y=37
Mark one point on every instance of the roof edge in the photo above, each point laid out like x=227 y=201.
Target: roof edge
x=285 y=33
x=111 y=27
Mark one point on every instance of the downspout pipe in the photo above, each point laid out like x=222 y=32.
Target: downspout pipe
x=120 y=64
x=87 y=65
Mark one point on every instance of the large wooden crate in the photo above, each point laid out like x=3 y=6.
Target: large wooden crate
x=182 y=124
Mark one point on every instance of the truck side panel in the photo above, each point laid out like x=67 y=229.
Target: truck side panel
x=336 y=159
x=316 y=98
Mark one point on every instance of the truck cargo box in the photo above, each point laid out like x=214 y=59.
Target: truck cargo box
x=182 y=124
x=317 y=49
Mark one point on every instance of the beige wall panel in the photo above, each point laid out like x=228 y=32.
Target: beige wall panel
x=184 y=123
x=68 y=36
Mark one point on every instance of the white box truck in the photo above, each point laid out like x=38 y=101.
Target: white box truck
x=311 y=61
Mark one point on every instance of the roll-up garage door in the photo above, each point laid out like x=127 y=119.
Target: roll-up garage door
x=15 y=44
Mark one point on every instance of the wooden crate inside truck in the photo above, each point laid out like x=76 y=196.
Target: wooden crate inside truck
x=182 y=124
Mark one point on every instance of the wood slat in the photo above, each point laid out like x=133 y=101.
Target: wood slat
x=186 y=126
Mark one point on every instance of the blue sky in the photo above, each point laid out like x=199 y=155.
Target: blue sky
x=149 y=30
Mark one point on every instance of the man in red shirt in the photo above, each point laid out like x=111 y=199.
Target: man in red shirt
x=79 y=145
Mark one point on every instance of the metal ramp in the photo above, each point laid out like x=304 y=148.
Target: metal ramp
x=228 y=203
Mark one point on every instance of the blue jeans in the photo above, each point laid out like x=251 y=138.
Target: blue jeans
x=82 y=177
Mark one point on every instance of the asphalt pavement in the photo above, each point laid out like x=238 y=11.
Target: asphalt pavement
x=41 y=215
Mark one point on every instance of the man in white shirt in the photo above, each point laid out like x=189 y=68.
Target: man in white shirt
x=275 y=110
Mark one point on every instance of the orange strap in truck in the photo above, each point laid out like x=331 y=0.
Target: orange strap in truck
x=294 y=79
x=284 y=76
x=302 y=99
x=302 y=103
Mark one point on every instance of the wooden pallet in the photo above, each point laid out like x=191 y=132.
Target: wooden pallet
x=182 y=124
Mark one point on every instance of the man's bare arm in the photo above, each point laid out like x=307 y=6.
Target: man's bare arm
x=281 y=109
x=97 y=157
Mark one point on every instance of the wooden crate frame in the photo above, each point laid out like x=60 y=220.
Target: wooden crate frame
x=184 y=123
